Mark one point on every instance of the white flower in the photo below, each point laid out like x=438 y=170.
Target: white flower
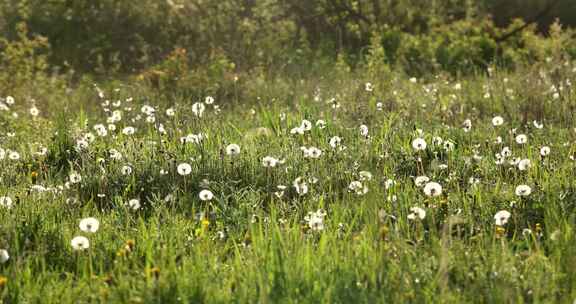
x=13 y=155
x=269 y=162
x=320 y=124
x=311 y=152
x=198 y=109
x=416 y=213
x=126 y=170
x=523 y=190
x=524 y=164
x=9 y=100
x=232 y=149
x=369 y=87
x=4 y=256
x=432 y=189
x=134 y=204
x=170 y=112
x=364 y=130
x=544 y=151
x=75 y=177
x=128 y=130
x=467 y=125
x=420 y=181
x=34 y=111
x=80 y=243
x=115 y=154
x=501 y=217
x=209 y=100
x=358 y=188
x=306 y=125
x=300 y=186
x=184 y=169
x=6 y=202
x=497 y=121
x=89 y=224
x=206 y=195
x=538 y=125
x=419 y=144
x=315 y=220
x=335 y=141
x=365 y=175
x=521 y=139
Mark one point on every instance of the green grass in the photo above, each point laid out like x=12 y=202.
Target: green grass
x=249 y=245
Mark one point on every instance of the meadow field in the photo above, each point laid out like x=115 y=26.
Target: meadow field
x=427 y=180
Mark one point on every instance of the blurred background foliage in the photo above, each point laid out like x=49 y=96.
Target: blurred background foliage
x=205 y=43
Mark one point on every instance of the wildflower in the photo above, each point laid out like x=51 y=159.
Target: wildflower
x=89 y=224
x=358 y=188
x=170 y=112
x=126 y=170
x=3 y=281
x=419 y=144
x=198 y=109
x=306 y=125
x=134 y=204
x=232 y=149
x=321 y=124
x=80 y=243
x=115 y=154
x=128 y=130
x=315 y=220
x=497 y=121
x=75 y=177
x=4 y=256
x=311 y=152
x=184 y=169
x=365 y=175
x=206 y=195
x=420 y=181
x=269 y=162
x=523 y=190
x=364 y=130
x=432 y=189
x=13 y=155
x=416 y=213
x=544 y=151
x=34 y=111
x=209 y=100
x=467 y=126
x=501 y=217
x=368 y=87
x=521 y=139
x=524 y=164
x=335 y=142
x=300 y=186
x=538 y=125
x=6 y=202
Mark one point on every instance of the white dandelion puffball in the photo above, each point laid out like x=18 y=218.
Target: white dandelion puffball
x=75 y=178
x=232 y=149
x=134 y=204
x=521 y=139
x=4 y=256
x=524 y=164
x=497 y=121
x=80 y=243
x=544 y=151
x=523 y=190
x=89 y=225
x=6 y=202
x=501 y=217
x=269 y=162
x=184 y=169
x=432 y=189
x=206 y=195
x=419 y=144
x=416 y=213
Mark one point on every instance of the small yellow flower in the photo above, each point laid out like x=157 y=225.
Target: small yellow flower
x=500 y=231
x=3 y=281
x=154 y=271
x=129 y=246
